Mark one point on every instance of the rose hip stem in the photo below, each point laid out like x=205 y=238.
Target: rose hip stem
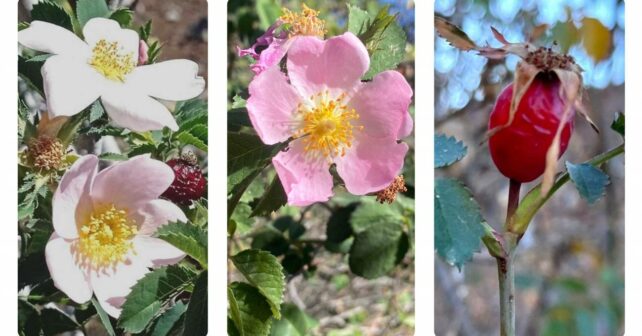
x=505 y=271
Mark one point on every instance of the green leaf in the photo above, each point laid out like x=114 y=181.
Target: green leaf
x=55 y=322
x=295 y=322
x=272 y=200
x=196 y=315
x=96 y=111
x=270 y=239
x=268 y=12
x=382 y=35
x=123 y=16
x=249 y=310
x=338 y=229
x=236 y=119
x=141 y=149
x=247 y=155
x=589 y=180
x=458 y=222
x=187 y=138
x=150 y=293
x=166 y=322
x=30 y=73
x=104 y=318
x=112 y=156
x=186 y=237
x=241 y=218
x=50 y=12
x=89 y=9
x=39 y=58
x=263 y=270
x=238 y=102
x=28 y=319
x=378 y=234
x=618 y=123
x=448 y=150
x=145 y=30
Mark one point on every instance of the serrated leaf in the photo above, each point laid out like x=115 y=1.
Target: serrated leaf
x=263 y=271
x=112 y=156
x=50 y=12
x=247 y=155
x=187 y=138
x=295 y=322
x=188 y=124
x=249 y=310
x=89 y=9
x=589 y=180
x=141 y=149
x=458 y=222
x=272 y=200
x=55 y=322
x=104 y=318
x=196 y=315
x=448 y=150
x=96 y=111
x=30 y=73
x=39 y=58
x=28 y=319
x=618 y=123
x=236 y=119
x=238 y=102
x=338 y=229
x=453 y=34
x=378 y=231
x=149 y=294
x=145 y=30
x=186 y=237
x=200 y=131
x=241 y=217
x=123 y=16
x=166 y=322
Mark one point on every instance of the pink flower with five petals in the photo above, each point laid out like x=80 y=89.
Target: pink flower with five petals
x=332 y=117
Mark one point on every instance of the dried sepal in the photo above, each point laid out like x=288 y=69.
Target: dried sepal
x=584 y=112
x=537 y=32
x=50 y=126
x=454 y=35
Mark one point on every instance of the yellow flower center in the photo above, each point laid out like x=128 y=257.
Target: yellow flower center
x=109 y=60
x=326 y=127
x=46 y=152
x=106 y=237
x=304 y=23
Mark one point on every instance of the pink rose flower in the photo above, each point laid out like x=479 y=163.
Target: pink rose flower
x=333 y=118
x=103 y=225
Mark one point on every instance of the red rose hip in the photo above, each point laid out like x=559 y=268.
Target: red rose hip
x=189 y=182
x=519 y=150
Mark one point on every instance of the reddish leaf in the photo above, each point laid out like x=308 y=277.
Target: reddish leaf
x=454 y=35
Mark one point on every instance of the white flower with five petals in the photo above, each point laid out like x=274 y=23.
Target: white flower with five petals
x=104 y=66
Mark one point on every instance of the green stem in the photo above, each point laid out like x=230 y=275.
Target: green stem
x=513 y=202
x=506 y=277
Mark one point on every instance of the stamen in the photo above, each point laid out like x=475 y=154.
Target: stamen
x=304 y=23
x=109 y=60
x=46 y=152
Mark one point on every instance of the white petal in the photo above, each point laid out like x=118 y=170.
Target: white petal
x=98 y=29
x=157 y=213
x=71 y=201
x=53 y=39
x=112 y=285
x=66 y=275
x=70 y=85
x=170 y=80
x=158 y=251
x=136 y=111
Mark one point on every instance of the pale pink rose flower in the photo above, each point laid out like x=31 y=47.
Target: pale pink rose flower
x=333 y=117
x=104 y=222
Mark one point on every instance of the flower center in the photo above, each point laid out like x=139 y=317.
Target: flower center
x=304 y=23
x=46 y=152
x=326 y=127
x=109 y=60
x=106 y=237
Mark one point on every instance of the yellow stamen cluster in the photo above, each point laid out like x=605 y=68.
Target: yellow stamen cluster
x=326 y=127
x=106 y=237
x=304 y=23
x=110 y=61
x=45 y=152
x=389 y=195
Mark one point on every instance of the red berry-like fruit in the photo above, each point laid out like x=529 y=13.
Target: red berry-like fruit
x=519 y=150
x=189 y=182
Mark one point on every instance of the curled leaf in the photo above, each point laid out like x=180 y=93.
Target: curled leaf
x=537 y=32
x=454 y=35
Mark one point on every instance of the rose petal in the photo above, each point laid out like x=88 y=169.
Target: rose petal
x=53 y=39
x=98 y=29
x=157 y=251
x=155 y=213
x=271 y=105
x=70 y=86
x=71 y=201
x=406 y=126
x=371 y=164
x=65 y=273
x=170 y=80
x=136 y=111
x=133 y=182
x=337 y=63
x=272 y=55
x=382 y=105
x=305 y=179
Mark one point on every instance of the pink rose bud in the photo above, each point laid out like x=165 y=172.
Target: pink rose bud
x=142 y=52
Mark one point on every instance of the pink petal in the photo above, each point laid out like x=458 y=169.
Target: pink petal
x=382 y=105
x=272 y=55
x=176 y=79
x=406 y=127
x=157 y=251
x=112 y=285
x=66 y=275
x=271 y=106
x=337 y=63
x=69 y=85
x=133 y=182
x=71 y=202
x=129 y=108
x=156 y=213
x=371 y=164
x=306 y=179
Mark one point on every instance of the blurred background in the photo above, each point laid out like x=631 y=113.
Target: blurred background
x=569 y=266
x=339 y=303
